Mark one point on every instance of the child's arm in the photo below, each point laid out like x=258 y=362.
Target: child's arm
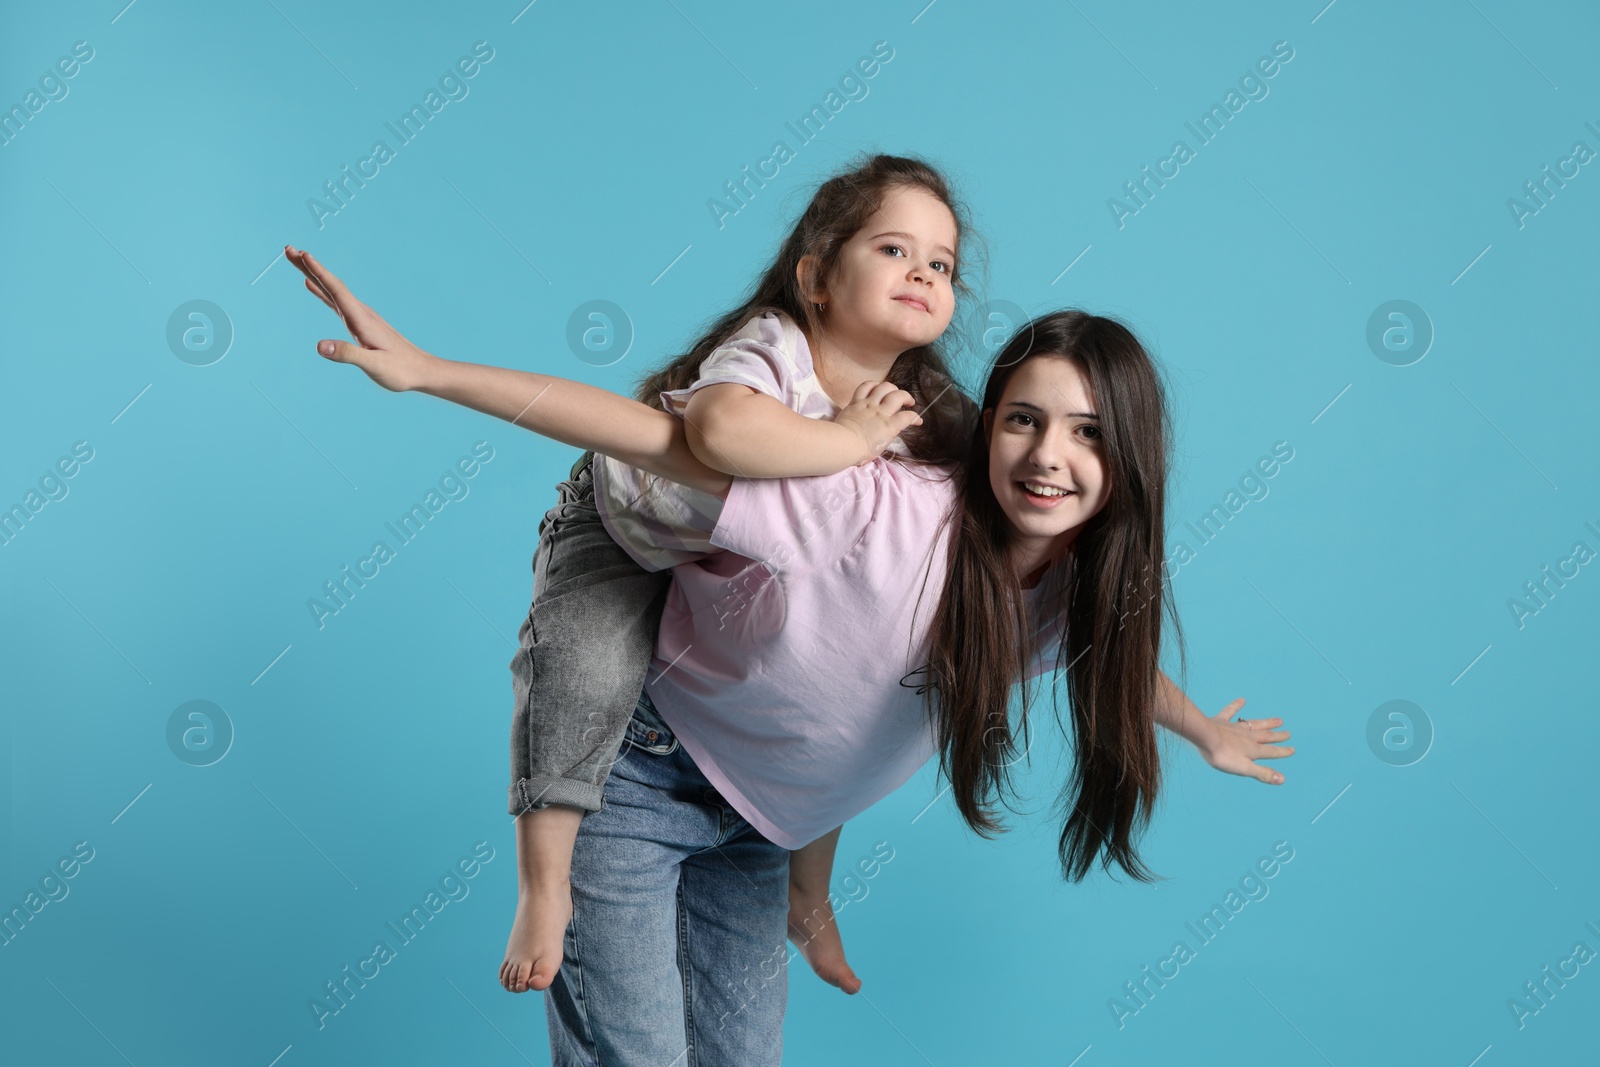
x=741 y=431
x=1226 y=745
x=811 y=867
x=566 y=411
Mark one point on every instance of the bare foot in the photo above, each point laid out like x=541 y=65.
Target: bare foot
x=815 y=932
x=533 y=954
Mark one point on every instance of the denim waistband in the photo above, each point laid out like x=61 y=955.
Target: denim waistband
x=646 y=712
x=647 y=730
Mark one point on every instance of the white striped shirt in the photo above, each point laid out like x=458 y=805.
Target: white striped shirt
x=661 y=523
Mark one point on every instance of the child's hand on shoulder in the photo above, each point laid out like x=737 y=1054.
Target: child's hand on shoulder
x=386 y=357
x=1236 y=745
x=878 y=412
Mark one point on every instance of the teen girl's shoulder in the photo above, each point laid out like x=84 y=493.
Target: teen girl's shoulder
x=910 y=467
x=921 y=494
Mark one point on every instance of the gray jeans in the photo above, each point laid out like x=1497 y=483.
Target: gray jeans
x=586 y=645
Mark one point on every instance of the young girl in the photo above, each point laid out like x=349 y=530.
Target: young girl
x=1061 y=491
x=860 y=292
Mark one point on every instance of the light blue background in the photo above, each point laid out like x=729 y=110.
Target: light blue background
x=372 y=754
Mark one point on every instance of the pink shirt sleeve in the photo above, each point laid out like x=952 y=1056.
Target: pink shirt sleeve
x=797 y=525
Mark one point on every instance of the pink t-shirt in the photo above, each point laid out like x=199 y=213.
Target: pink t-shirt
x=782 y=678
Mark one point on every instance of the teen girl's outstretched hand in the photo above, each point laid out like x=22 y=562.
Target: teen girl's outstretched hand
x=386 y=357
x=1226 y=745
x=1235 y=745
x=878 y=412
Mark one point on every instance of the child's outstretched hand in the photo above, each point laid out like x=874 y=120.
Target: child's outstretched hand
x=1235 y=746
x=815 y=933
x=879 y=412
x=386 y=357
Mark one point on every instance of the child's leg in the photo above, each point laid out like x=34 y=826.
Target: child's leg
x=586 y=646
x=812 y=925
x=544 y=897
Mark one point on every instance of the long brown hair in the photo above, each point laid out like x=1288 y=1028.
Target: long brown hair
x=981 y=639
x=840 y=207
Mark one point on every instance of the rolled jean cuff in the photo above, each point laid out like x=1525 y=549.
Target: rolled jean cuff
x=531 y=794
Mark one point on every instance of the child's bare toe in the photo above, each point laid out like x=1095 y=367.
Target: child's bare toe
x=542 y=974
x=841 y=977
x=534 y=954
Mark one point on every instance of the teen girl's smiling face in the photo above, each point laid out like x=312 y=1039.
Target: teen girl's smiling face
x=1047 y=461
x=892 y=285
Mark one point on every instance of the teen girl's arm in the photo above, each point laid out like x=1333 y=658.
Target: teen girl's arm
x=566 y=411
x=742 y=431
x=1226 y=745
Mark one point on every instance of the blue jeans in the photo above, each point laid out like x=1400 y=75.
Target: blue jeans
x=677 y=952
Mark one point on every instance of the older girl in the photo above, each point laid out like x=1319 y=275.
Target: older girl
x=777 y=707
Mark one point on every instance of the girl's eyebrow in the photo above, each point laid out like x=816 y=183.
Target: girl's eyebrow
x=1040 y=410
x=896 y=233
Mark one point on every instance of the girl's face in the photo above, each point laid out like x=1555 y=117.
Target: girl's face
x=1047 y=462
x=891 y=287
